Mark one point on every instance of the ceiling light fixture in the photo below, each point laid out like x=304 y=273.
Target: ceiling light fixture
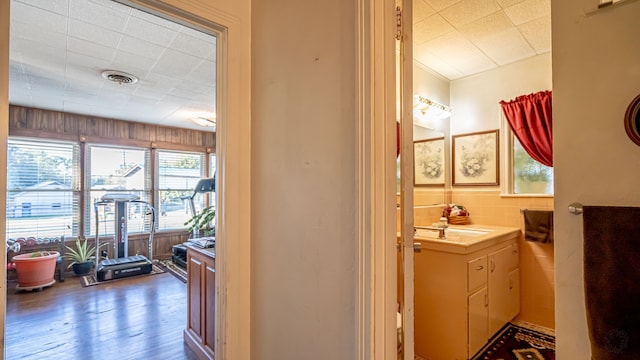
x=205 y=121
x=119 y=77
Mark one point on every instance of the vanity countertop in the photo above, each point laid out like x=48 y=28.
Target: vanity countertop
x=210 y=252
x=465 y=239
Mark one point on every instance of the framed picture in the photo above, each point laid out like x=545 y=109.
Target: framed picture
x=476 y=158
x=428 y=162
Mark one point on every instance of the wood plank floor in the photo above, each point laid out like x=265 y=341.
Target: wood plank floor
x=141 y=317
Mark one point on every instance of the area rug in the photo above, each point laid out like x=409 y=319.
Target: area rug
x=90 y=280
x=518 y=343
x=173 y=269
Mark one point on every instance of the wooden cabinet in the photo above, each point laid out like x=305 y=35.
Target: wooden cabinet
x=462 y=299
x=201 y=280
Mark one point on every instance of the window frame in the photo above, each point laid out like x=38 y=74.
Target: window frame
x=74 y=188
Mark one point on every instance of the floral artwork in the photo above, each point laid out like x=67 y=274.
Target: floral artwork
x=476 y=158
x=428 y=158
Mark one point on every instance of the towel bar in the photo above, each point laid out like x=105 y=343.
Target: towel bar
x=575 y=208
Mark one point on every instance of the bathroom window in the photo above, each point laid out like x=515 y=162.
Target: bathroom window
x=178 y=175
x=42 y=189
x=528 y=175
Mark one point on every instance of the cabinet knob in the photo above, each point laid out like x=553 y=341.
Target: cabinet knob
x=479 y=267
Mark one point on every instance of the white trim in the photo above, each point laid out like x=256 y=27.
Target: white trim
x=376 y=306
x=4 y=131
x=233 y=267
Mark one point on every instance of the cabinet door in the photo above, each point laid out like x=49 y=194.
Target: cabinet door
x=194 y=284
x=501 y=294
x=209 y=307
x=514 y=293
x=478 y=318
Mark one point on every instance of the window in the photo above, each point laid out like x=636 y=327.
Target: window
x=42 y=195
x=529 y=176
x=178 y=174
x=118 y=171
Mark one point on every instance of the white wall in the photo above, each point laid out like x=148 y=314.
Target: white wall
x=434 y=87
x=596 y=72
x=475 y=100
x=303 y=180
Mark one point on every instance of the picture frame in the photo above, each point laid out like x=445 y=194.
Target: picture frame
x=476 y=158
x=429 y=162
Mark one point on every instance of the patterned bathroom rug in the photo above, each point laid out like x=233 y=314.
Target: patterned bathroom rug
x=90 y=280
x=519 y=343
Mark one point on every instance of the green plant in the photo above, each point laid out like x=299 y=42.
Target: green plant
x=83 y=252
x=202 y=221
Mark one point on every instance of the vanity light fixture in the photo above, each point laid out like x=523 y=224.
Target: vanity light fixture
x=426 y=111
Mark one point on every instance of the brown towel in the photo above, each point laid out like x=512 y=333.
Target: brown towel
x=612 y=281
x=538 y=225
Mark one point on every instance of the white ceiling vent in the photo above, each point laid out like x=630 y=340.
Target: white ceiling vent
x=119 y=77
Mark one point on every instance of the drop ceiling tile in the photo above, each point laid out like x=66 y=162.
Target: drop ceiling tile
x=204 y=73
x=441 y=4
x=468 y=11
x=506 y=3
x=506 y=47
x=487 y=26
x=435 y=63
x=38 y=18
x=176 y=64
x=148 y=92
x=90 y=49
x=36 y=56
x=82 y=62
x=140 y=47
x=132 y=63
x=150 y=32
x=528 y=10
x=57 y=6
x=97 y=14
x=421 y=10
x=156 y=20
x=114 y=5
x=192 y=46
x=430 y=28
x=460 y=53
x=90 y=32
x=22 y=31
x=538 y=33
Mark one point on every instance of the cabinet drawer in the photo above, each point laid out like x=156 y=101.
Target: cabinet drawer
x=477 y=273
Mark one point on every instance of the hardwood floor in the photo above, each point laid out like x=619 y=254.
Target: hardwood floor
x=141 y=317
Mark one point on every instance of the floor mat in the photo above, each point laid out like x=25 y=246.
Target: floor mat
x=519 y=343
x=173 y=269
x=90 y=280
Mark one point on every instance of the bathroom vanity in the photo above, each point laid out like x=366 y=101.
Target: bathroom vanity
x=467 y=286
x=201 y=280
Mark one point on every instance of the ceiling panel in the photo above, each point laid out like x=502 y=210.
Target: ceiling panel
x=59 y=48
x=465 y=37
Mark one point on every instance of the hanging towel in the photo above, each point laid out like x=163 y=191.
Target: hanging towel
x=612 y=281
x=538 y=225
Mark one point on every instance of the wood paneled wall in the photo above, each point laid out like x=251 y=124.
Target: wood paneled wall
x=25 y=121
x=47 y=124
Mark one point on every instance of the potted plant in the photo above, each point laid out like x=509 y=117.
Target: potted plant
x=202 y=222
x=81 y=257
x=36 y=269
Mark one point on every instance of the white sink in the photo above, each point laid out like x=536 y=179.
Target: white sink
x=452 y=234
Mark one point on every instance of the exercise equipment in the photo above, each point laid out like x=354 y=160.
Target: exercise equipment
x=122 y=265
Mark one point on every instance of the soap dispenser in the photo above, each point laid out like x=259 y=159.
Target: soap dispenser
x=443 y=222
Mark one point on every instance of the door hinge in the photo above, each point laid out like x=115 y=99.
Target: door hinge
x=398 y=23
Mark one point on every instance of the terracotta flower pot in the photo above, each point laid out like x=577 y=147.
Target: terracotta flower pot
x=33 y=270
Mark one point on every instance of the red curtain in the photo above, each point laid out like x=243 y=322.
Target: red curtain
x=529 y=117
